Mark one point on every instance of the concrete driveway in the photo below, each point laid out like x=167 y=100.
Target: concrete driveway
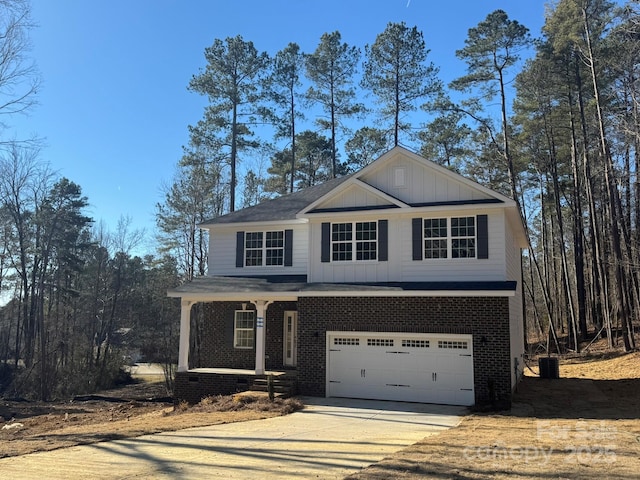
x=330 y=438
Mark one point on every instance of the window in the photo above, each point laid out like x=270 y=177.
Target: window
x=450 y=237
x=243 y=333
x=435 y=238
x=453 y=344
x=344 y=242
x=275 y=248
x=264 y=248
x=463 y=237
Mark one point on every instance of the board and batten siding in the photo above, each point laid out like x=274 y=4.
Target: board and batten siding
x=222 y=251
x=420 y=184
x=457 y=269
x=354 y=196
x=401 y=267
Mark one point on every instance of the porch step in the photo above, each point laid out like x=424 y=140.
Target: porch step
x=283 y=385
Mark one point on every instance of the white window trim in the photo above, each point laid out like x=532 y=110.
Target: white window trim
x=264 y=248
x=236 y=330
x=449 y=238
x=354 y=243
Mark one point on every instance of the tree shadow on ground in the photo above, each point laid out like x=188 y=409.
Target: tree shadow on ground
x=575 y=398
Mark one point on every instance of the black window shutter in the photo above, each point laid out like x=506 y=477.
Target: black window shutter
x=239 y=249
x=383 y=240
x=416 y=238
x=288 y=248
x=483 y=236
x=325 y=254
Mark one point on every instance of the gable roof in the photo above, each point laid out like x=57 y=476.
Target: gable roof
x=298 y=205
x=486 y=195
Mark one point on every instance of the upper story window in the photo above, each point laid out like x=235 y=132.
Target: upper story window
x=450 y=237
x=358 y=237
x=264 y=248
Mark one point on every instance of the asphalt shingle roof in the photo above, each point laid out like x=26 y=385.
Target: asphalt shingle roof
x=282 y=208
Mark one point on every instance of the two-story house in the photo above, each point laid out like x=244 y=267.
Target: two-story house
x=399 y=282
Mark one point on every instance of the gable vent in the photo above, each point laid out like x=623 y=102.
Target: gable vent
x=399 y=177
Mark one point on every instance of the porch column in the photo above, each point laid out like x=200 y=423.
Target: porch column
x=185 y=327
x=261 y=328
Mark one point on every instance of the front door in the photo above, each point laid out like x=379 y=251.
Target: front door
x=290 y=339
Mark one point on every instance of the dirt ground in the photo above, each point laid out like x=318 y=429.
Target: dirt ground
x=584 y=425
x=131 y=411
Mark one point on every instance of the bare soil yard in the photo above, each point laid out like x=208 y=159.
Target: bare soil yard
x=131 y=411
x=584 y=425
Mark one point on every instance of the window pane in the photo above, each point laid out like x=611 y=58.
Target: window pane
x=341 y=241
x=275 y=248
x=463 y=237
x=435 y=234
x=463 y=227
x=275 y=239
x=342 y=251
x=341 y=232
x=243 y=329
x=435 y=228
x=253 y=249
x=254 y=240
x=366 y=245
x=253 y=258
x=435 y=249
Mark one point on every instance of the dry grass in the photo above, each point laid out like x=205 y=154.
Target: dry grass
x=584 y=425
x=52 y=426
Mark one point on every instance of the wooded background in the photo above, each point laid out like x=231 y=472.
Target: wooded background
x=552 y=121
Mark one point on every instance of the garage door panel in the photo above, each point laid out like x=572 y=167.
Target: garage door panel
x=427 y=368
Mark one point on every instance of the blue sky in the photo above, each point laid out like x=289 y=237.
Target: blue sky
x=114 y=107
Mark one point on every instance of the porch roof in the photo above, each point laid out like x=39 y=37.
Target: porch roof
x=277 y=288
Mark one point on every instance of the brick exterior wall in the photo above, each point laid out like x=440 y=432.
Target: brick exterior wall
x=485 y=318
x=191 y=387
x=217 y=348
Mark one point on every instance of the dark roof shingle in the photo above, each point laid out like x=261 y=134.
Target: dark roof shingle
x=281 y=208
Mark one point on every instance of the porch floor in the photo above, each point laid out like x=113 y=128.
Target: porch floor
x=235 y=371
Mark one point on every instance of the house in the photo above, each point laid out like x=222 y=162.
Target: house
x=399 y=282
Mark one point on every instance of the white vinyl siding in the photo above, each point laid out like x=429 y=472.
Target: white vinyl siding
x=516 y=329
x=222 y=251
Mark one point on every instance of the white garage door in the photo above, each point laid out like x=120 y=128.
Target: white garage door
x=409 y=367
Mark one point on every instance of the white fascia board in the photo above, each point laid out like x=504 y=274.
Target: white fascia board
x=235 y=297
x=453 y=208
x=293 y=296
x=357 y=214
x=413 y=293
